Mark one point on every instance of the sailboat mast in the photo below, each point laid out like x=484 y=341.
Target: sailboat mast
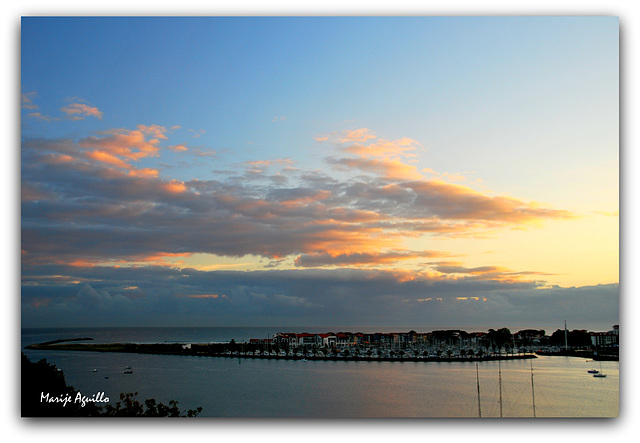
x=566 y=346
x=478 y=383
x=500 y=385
x=533 y=395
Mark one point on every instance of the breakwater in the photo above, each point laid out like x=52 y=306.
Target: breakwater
x=580 y=354
x=227 y=350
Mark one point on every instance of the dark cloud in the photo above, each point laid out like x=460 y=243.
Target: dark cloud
x=153 y=295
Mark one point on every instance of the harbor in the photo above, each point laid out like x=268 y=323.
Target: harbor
x=434 y=346
x=206 y=367
x=224 y=350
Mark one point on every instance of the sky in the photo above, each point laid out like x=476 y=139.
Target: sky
x=425 y=172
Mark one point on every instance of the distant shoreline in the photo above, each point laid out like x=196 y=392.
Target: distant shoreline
x=63 y=340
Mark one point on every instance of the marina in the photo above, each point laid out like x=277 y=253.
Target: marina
x=304 y=387
x=222 y=350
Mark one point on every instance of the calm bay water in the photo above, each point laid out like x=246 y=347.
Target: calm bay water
x=228 y=387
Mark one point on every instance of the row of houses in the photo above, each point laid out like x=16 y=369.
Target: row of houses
x=416 y=339
x=392 y=339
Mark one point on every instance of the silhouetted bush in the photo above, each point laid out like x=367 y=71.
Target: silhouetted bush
x=45 y=393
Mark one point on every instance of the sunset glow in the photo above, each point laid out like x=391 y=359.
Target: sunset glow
x=466 y=162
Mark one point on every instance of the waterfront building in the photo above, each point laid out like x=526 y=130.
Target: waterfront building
x=605 y=339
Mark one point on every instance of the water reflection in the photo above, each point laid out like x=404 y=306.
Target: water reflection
x=227 y=387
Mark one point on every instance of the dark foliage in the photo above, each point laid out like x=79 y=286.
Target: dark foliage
x=501 y=337
x=575 y=338
x=128 y=406
x=42 y=378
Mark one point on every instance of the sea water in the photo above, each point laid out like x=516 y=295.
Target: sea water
x=232 y=387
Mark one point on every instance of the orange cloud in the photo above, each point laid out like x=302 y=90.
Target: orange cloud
x=321 y=220
x=80 y=263
x=382 y=157
x=450 y=201
x=156 y=259
x=385 y=148
x=62 y=158
x=175 y=187
x=78 y=111
x=360 y=259
x=146 y=172
x=153 y=130
x=40 y=116
x=161 y=256
x=387 y=168
x=356 y=215
x=496 y=273
x=105 y=157
x=350 y=239
x=358 y=135
x=131 y=145
x=457 y=268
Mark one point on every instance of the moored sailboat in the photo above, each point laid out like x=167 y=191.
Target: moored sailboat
x=599 y=374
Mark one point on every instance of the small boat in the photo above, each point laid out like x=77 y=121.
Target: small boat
x=593 y=371
x=599 y=373
x=128 y=371
x=127 y=367
x=304 y=359
x=106 y=378
x=95 y=370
